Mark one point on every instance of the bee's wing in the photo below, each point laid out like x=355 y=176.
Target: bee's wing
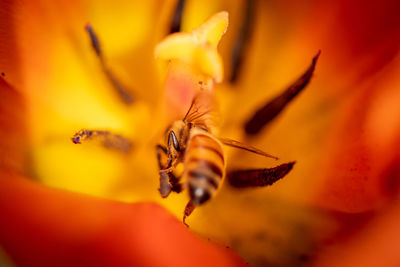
x=202 y=111
x=237 y=144
x=258 y=177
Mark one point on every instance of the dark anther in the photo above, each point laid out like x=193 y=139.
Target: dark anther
x=107 y=139
x=122 y=92
x=273 y=108
x=239 y=46
x=177 y=18
x=3 y=74
x=258 y=177
x=117 y=142
x=76 y=140
x=125 y=95
x=94 y=39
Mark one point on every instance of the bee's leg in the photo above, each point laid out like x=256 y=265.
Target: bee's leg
x=168 y=181
x=125 y=95
x=258 y=177
x=161 y=150
x=188 y=210
x=107 y=139
x=165 y=187
x=176 y=185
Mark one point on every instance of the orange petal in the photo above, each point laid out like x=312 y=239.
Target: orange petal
x=9 y=57
x=47 y=227
x=374 y=243
x=361 y=154
x=13 y=132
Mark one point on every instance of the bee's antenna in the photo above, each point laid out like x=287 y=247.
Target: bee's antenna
x=190 y=109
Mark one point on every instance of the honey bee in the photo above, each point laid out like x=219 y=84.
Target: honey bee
x=192 y=141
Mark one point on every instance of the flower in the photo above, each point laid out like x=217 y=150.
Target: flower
x=44 y=226
x=341 y=197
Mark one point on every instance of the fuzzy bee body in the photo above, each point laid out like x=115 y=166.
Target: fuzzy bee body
x=204 y=163
x=193 y=142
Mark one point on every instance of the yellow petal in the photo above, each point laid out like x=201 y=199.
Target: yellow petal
x=183 y=46
x=212 y=30
x=199 y=47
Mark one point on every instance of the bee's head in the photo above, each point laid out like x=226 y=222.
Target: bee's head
x=176 y=138
x=173 y=141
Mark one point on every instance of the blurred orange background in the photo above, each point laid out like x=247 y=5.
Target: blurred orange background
x=338 y=206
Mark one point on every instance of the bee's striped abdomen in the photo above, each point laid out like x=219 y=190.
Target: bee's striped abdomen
x=204 y=166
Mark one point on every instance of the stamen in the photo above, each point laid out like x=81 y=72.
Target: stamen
x=241 y=42
x=177 y=18
x=258 y=177
x=95 y=40
x=108 y=139
x=274 y=107
x=125 y=95
x=122 y=92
